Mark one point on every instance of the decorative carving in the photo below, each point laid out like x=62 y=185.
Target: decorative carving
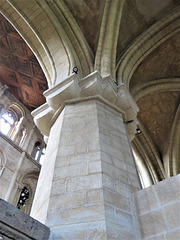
x=73 y=89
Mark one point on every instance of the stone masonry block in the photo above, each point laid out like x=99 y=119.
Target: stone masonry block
x=122 y=188
x=97 y=230
x=110 y=213
x=58 y=187
x=115 y=232
x=85 y=157
x=58 y=217
x=172 y=213
x=68 y=200
x=77 y=231
x=152 y=223
x=124 y=219
x=94 y=167
x=145 y=200
x=168 y=190
x=61 y=162
x=108 y=182
x=70 y=171
x=116 y=200
x=173 y=235
x=95 y=196
x=115 y=172
x=84 y=182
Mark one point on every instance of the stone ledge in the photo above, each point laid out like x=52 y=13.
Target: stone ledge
x=17 y=225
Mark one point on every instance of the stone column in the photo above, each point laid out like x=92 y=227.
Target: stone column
x=88 y=174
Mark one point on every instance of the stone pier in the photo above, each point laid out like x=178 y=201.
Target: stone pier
x=89 y=173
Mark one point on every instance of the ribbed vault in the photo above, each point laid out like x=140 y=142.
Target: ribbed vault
x=134 y=42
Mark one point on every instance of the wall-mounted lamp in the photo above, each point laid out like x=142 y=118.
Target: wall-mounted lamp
x=75 y=70
x=138 y=131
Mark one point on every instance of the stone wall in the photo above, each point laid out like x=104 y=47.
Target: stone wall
x=19 y=170
x=17 y=167
x=32 y=132
x=158 y=211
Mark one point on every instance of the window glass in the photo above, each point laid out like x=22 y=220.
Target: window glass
x=6 y=123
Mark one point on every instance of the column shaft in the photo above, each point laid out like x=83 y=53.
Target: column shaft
x=89 y=174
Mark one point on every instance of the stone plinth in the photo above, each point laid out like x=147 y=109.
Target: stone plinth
x=14 y=224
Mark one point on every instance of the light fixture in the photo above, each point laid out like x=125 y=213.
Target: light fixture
x=138 y=131
x=75 y=70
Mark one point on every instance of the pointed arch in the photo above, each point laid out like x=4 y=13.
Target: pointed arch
x=145 y=44
x=156 y=85
x=28 y=180
x=146 y=148
x=53 y=36
x=174 y=147
x=25 y=28
x=74 y=36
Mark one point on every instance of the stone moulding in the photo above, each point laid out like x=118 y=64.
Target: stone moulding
x=92 y=87
x=19 y=149
x=145 y=43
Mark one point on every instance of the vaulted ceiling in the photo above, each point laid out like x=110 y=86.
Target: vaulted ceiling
x=139 y=39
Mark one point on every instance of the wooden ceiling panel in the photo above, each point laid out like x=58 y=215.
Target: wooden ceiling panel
x=19 y=68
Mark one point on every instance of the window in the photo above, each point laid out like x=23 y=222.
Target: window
x=23 y=197
x=10 y=122
x=38 y=151
x=7 y=123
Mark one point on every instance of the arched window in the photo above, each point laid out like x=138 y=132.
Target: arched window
x=11 y=120
x=7 y=123
x=38 y=151
x=23 y=197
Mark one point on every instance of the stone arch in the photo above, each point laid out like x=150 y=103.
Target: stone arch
x=142 y=166
x=34 y=41
x=17 y=110
x=174 y=148
x=57 y=45
x=172 y=161
x=144 y=145
x=160 y=85
x=105 y=60
x=39 y=145
x=29 y=180
x=145 y=44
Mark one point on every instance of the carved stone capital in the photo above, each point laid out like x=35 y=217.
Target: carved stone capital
x=73 y=90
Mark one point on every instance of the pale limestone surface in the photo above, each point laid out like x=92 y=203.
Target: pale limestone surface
x=87 y=160
x=158 y=210
x=19 y=167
